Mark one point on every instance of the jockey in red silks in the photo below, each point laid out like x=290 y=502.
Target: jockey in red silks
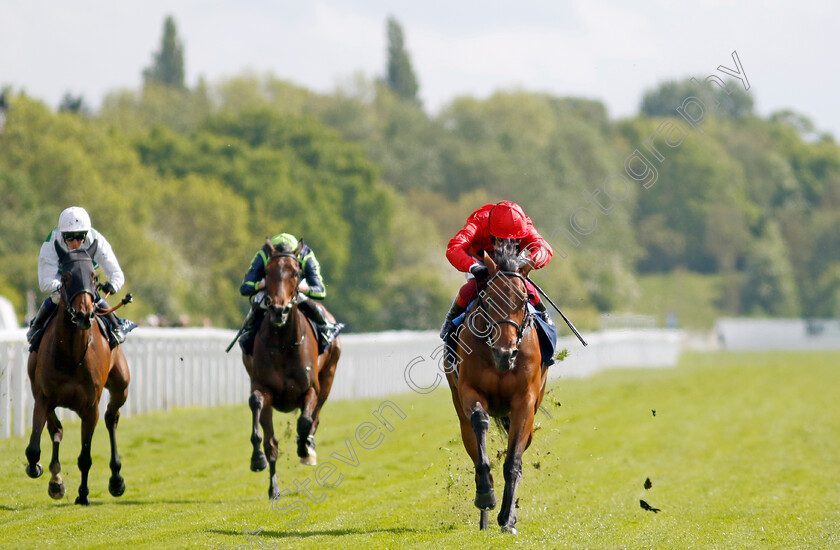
x=484 y=228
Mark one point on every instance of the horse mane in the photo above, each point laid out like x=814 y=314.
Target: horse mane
x=507 y=256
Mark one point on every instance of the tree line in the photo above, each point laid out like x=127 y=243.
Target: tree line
x=187 y=181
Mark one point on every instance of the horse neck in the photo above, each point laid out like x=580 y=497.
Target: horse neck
x=289 y=333
x=480 y=322
x=69 y=338
x=485 y=314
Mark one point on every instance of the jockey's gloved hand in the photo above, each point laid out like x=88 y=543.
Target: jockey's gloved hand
x=107 y=288
x=479 y=271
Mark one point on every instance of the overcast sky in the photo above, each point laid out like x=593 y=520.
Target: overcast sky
x=603 y=49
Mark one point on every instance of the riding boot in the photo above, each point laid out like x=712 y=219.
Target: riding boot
x=117 y=333
x=37 y=323
x=454 y=311
x=249 y=330
x=543 y=314
x=327 y=329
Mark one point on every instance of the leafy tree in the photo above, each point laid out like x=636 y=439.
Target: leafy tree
x=697 y=214
x=72 y=104
x=827 y=293
x=769 y=287
x=300 y=177
x=168 y=65
x=731 y=102
x=156 y=104
x=399 y=74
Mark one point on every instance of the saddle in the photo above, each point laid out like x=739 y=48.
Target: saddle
x=546 y=334
x=36 y=338
x=324 y=339
x=246 y=342
x=104 y=325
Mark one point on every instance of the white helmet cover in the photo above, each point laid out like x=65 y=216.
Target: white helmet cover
x=72 y=219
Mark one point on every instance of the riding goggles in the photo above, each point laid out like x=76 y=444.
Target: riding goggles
x=75 y=236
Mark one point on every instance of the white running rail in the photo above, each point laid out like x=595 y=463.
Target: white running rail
x=189 y=367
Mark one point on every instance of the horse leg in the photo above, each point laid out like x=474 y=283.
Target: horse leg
x=33 y=450
x=56 y=488
x=326 y=374
x=271 y=450
x=256 y=402
x=306 y=429
x=89 y=419
x=519 y=438
x=485 y=498
x=118 y=389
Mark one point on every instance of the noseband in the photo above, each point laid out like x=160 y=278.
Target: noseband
x=521 y=329
x=267 y=300
x=83 y=286
x=68 y=303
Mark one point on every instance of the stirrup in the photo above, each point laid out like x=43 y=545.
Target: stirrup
x=328 y=333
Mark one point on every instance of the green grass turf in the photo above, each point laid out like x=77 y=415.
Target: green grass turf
x=742 y=453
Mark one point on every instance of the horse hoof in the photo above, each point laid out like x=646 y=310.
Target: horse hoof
x=311 y=460
x=485 y=501
x=56 y=490
x=34 y=471
x=116 y=486
x=258 y=463
x=83 y=500
x=511 y=530
x=273 y=493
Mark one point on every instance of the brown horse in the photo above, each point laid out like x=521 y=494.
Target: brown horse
x=286 y=371
x=498 y=375
x=73 y=364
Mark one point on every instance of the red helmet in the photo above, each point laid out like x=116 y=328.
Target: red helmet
x=508 y=221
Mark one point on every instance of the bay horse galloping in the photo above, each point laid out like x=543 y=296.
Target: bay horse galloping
x=71 y=367
x=286 y=371
x=499 y=374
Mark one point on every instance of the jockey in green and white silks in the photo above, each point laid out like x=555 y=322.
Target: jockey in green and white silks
x=311 y=288
x=74 y=231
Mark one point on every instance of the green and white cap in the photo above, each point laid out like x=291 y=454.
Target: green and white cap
x=288 y=241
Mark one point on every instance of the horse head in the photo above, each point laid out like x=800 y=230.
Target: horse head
x=78 y=284
x=282 y=276
x=504 y=303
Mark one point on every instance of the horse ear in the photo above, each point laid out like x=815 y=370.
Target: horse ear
x=91 y=250
x=491 y=265
x=60 y=251
x=269 y=246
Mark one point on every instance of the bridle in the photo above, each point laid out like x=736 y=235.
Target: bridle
x=267 y=301
x=77 y=316
x=521 y=329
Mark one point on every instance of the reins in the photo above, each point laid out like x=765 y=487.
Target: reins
x=287 y=309
x=72 y=313
x=127 y=300
x=527 y=320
